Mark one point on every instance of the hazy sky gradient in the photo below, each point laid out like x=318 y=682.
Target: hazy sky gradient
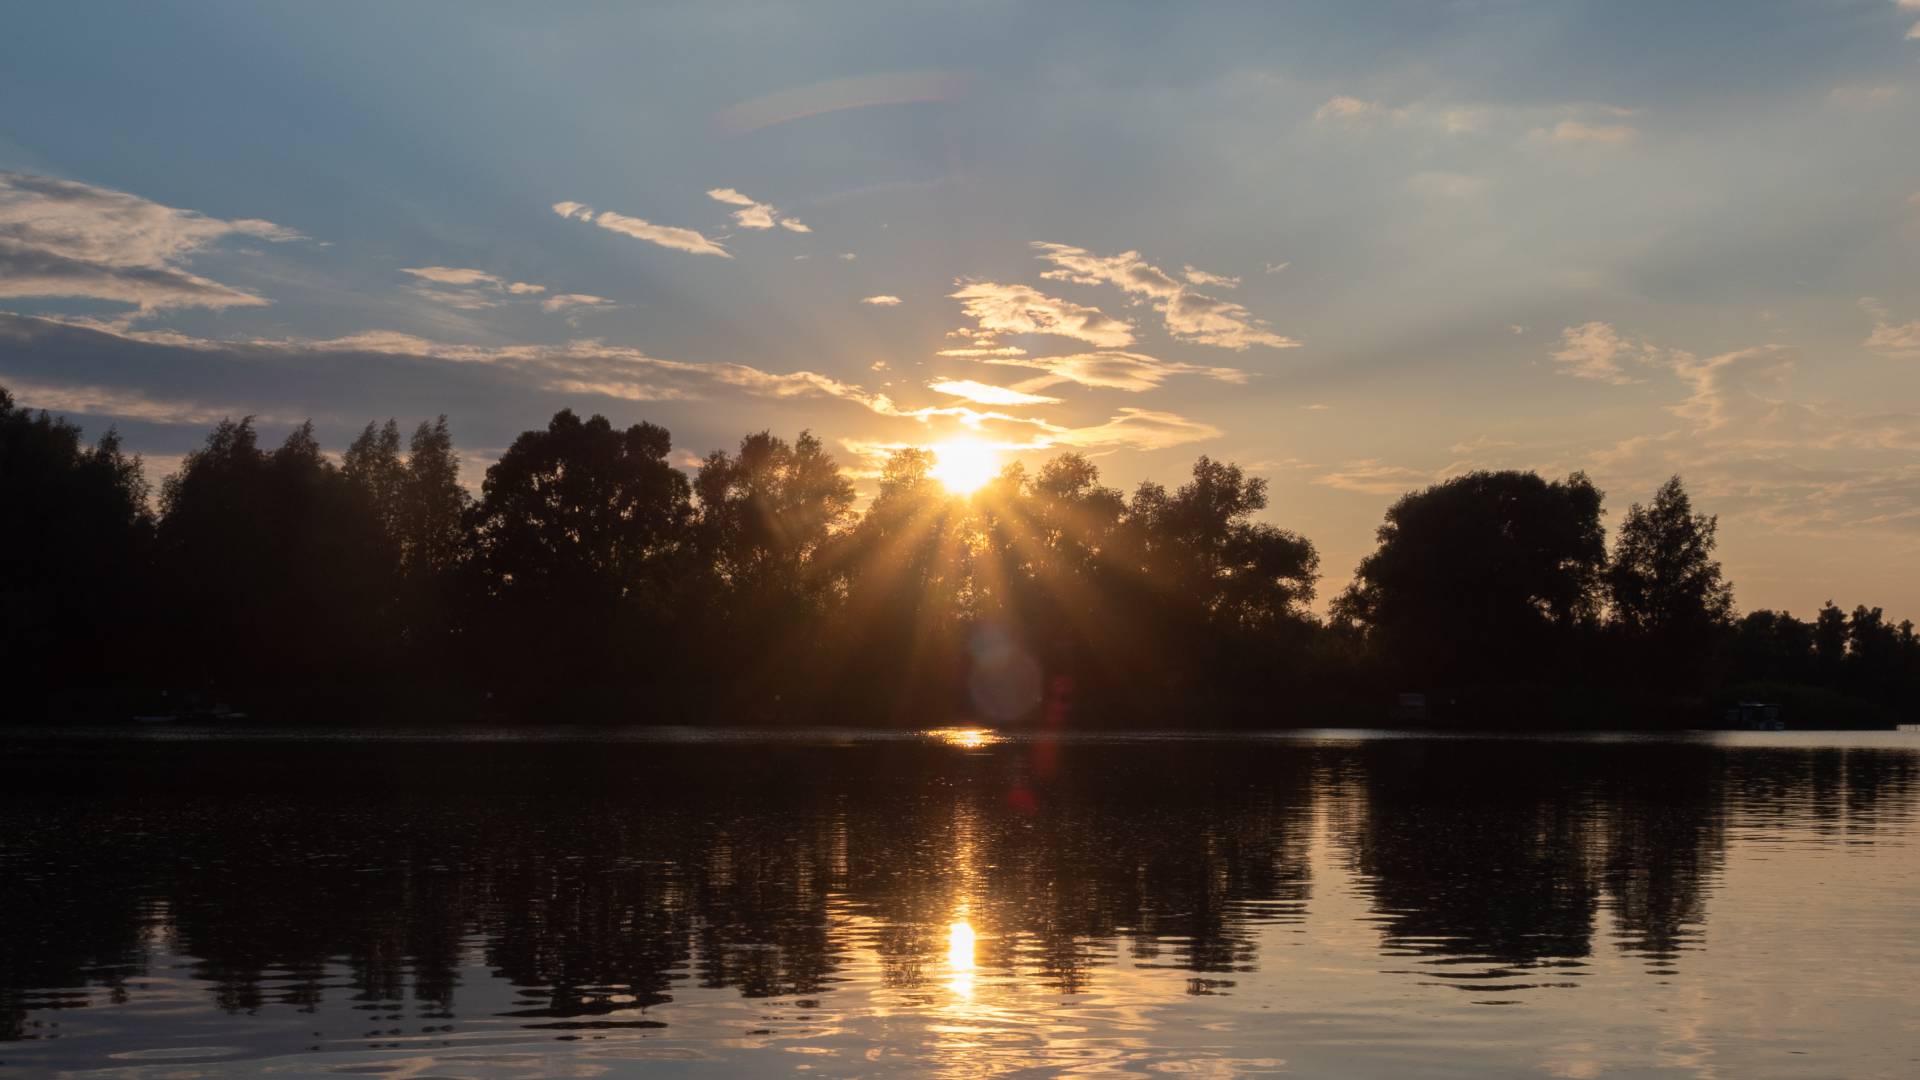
x=1356 y=248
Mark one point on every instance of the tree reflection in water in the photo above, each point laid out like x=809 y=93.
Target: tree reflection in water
x=600 y=880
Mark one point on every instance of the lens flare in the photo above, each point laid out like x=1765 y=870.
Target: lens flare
x=964 y=465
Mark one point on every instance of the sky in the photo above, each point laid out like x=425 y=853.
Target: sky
x=1354 y=248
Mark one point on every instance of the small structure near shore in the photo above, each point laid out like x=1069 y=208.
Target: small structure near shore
x=1410 y=708
x=1755 y=716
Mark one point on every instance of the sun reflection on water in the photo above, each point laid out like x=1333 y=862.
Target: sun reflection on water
x=960 y=939
x=965 y=738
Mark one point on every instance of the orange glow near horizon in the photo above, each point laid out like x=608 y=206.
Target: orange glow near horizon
x=964 y=466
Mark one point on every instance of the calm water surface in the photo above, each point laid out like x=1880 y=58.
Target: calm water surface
x=1339 y=905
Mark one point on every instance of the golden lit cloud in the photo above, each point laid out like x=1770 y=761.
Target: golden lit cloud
x=883 y=300
x=1022 y=309
x=756 y=215
x=984 y=394
x=1189 y=315
x=573 y=301
x=1595 y=350
x=667 y=236
x=1128 y=371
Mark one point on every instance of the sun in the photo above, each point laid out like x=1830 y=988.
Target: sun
x=964 y=465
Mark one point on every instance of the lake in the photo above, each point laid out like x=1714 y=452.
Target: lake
x=1336 y=904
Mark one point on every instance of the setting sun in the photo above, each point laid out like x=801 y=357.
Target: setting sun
x=964 y=465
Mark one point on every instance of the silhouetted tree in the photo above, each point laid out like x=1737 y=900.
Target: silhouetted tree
x=765 y=516
x=73 y=556
x=1668 y=596
x=580 y=541
x=593 y=569
x=1483 y=577
x=281 y=578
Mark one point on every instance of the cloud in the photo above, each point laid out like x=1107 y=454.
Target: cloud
x=667 y=236
x=1582 y=131
x=1354 y=111
x=982 y=353
x=983 y=394
x=61 y=239
x=883 y=300
x=452 y=275
x=1189 y=315
x=124 y=403
x=572 y=301
x=1201 y=277
x=1595 y=350
x=1370 y=476
x=1138 y=429
x=1860 y=96
x=1274 y=268
x=1900 y=341
x=76 y=367
x=1741 y=387
x=475 y=290
x=755 y=215
x=1021 y=309
x=1131 y=372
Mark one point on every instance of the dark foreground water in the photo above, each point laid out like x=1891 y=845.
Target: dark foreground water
x=1339 y=906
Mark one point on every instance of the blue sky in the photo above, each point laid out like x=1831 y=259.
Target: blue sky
x=1356 y=248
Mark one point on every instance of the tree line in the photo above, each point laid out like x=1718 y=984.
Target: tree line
x=591 y=578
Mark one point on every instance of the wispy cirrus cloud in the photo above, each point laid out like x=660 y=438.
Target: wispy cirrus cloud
x=1569 y=123
x=1218 y=281
x=1189 y=315
x=1021 y=309
x=982 y=352
x=756 y=215
x=1898 y=340
x=667 y=236
x=1370 y=476
x=1346 y=109
x=454 y=275
x=126 y=403
x=1128 y=371
x=62 y=239
x=575 y=301
x=1595 y=350
x=473 y=290
x=1863 y=95
x=985 y=394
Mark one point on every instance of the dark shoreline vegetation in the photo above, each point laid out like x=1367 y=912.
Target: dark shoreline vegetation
x=593 y=581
